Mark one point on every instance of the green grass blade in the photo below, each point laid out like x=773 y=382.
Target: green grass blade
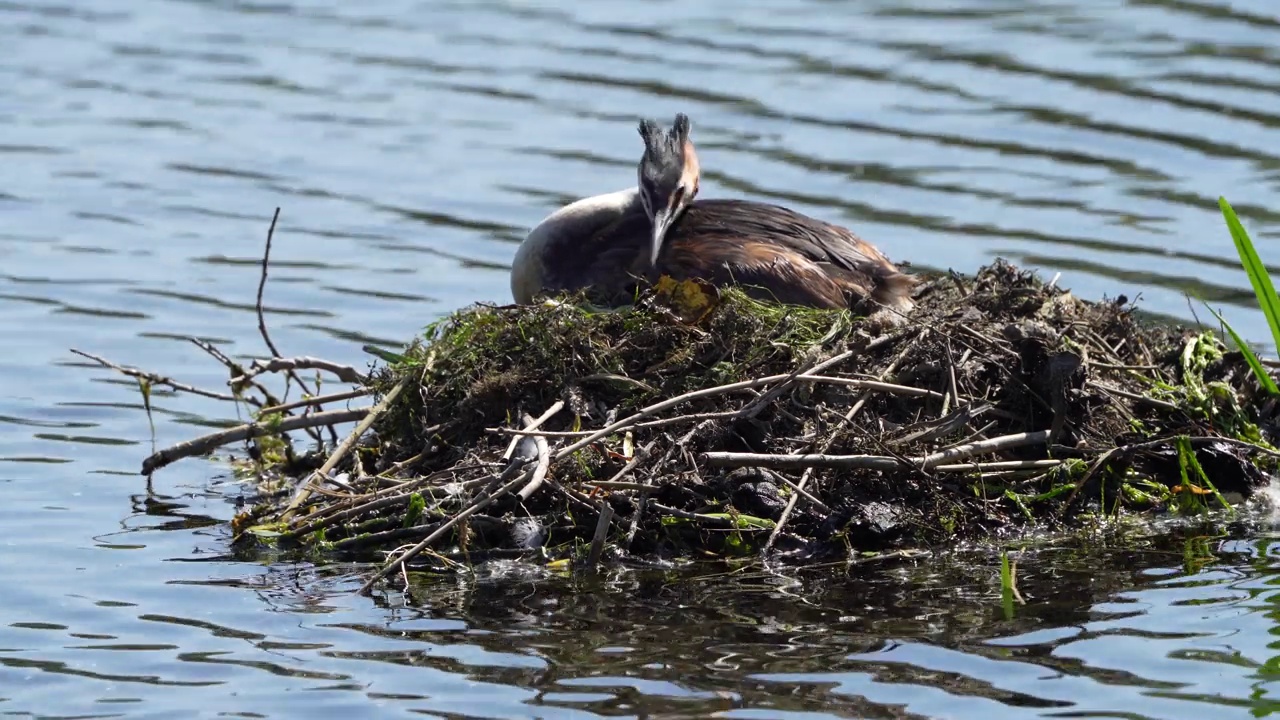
x=1249 y=356
x=387 y=355
x=1006 y=585
x=742 y=522
x=1256 y=271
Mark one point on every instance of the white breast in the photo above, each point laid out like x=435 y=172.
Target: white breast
x=572 y=223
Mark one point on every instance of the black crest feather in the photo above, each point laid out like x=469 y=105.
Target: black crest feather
x=680 y=128
x=662 y=164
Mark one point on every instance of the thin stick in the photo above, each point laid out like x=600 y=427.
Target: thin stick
x=1115 y=366
x=370 y=502
x=345 y=373
x=527 y=432
x=872 y=462
x=632 y=464
x=206 y=443
x=1088 y=475
x=262 y=285
x=803 y=461
x=876 y=385
x=642 y=497
x=602 y=533
x=573 y=496
x=374 y=505
x=1196 y=441
x=217 y=354
x=475 y=507
x=818 y=504
x=982 y=447
x=750 y=411
x=619 y=378
x=616 y=485
x=262 y=320
x=236 y=369
x=317 y=400
x=540 y=472
x=695 y=417
x=1134 y=396
x=556 y=407
x=304 y=492
x=998 y=465
x=398 y=466
x=951 y=373
x=155 y=379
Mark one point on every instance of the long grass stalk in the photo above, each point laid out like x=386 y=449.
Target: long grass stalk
x=1257 y=272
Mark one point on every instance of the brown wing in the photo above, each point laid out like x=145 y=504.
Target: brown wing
x=764 y=270
x=813 y=238
x=791 y=253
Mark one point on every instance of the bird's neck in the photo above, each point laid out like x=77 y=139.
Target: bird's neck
x=573 y=223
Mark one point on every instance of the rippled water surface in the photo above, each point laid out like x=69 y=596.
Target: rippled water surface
x=145 y=144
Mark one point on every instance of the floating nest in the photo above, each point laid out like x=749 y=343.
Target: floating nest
x=702 y=423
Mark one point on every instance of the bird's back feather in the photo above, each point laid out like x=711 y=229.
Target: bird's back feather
x=771 y=252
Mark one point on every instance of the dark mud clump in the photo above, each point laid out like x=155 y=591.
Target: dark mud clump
x=701 y=423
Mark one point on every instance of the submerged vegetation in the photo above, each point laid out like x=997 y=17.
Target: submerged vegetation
x=698 y=422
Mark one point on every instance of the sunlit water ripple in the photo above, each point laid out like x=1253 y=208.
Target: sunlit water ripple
x=144 y=146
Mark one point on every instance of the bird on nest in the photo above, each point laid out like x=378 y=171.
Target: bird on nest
x=606 y=243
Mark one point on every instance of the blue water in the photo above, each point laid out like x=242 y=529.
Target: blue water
x=409 y=145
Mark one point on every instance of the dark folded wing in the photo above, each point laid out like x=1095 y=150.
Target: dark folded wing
x=812 y=238
x=765 y=270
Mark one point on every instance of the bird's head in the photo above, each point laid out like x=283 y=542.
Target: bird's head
x=668 y=176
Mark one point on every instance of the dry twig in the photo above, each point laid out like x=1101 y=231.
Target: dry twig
x=212 y=441
x=155 y=379
x=262 y=321
x=345 y=373
x=318 y=400
x=873 y=462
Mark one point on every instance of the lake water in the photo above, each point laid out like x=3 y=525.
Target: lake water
x=144 y=146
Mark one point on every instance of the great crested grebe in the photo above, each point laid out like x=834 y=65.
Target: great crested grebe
x=606 y=242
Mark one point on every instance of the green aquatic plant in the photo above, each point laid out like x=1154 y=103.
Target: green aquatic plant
x=1189 y=497
x=1255 y=364
x=1007 y=588
x=1265 y=291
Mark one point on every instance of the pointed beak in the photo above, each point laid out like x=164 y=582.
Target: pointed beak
x=661 y=223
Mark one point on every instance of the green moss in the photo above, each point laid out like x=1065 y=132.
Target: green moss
x=482 y=364
x=413 y=513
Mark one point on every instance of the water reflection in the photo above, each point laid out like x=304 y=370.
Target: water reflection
x=1167 y=625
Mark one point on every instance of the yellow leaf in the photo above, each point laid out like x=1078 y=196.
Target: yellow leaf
x=690 y=299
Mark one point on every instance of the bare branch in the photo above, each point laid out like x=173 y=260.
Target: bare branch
x=212 y=441
x=345 y=373
x=155 y=379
